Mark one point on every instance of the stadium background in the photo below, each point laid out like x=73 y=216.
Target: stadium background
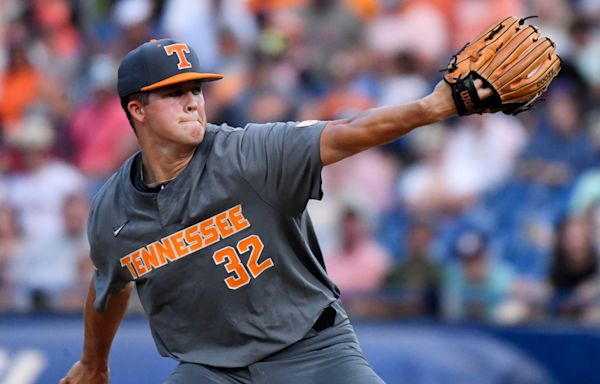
x=467 y=251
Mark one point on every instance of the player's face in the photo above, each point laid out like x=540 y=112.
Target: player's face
x=176 y=113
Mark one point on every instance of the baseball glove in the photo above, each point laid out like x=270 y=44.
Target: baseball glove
x=512 y=59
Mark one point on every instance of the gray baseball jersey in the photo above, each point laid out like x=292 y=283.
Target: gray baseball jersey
x=225 y=259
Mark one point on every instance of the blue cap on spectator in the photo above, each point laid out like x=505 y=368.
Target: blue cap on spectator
x=157 y=64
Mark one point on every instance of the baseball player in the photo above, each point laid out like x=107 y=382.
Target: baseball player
x=209 y=223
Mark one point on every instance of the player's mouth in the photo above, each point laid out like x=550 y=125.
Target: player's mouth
x=191 y=122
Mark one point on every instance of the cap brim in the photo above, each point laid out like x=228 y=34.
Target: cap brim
x=183 y=77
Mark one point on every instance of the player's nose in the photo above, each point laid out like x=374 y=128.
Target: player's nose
x=192 y=101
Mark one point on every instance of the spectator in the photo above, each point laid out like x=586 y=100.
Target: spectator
x=415 y=282
x=480 y=154
x=100 y=132
x=344 y=98
x=265 y=6
x=359 y=266
x=136 y=21
x=402 y=79
x=392 y=32
x=457 y=164
x=465 y=26
x=586 y=39
x=198 y=23
x=585 y=193
x=365 y=179
x=46 y=46
x=476 y=286
x=39 y=189
x=560 y=148
x=364 y=9
x=58 y=51
x=19 y=87
x=574 y=271
x=421 y=187
x=329 y=27
x=53 y=271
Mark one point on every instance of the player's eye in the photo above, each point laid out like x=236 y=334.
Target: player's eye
x=197 y=90
x=175 y=93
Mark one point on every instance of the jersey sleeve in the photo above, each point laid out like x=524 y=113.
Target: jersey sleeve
x=282 y=162
x=106 y=281
x=109 y=277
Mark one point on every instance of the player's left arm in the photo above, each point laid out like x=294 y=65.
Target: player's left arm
x=376 y=126
x=506 y=68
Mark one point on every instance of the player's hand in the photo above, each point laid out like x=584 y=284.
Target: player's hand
x=85 y=374
x=442 y=102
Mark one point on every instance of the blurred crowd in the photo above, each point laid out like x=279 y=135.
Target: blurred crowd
x=487 y=218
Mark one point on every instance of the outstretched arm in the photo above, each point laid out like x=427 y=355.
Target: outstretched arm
x=344 y=138
x=100 y=329
x=516 y=63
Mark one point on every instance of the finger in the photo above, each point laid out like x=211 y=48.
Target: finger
x=482 y=91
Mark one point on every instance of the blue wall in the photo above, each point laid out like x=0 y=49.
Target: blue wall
x=41 y=350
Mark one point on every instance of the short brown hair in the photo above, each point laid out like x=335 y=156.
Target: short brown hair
x=141 y=97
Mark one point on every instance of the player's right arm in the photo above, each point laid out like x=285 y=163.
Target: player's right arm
x=100 y=330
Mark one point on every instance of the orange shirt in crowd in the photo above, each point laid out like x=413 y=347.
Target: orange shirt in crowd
x=18 y=90
x=363 y=9
x=271 y=5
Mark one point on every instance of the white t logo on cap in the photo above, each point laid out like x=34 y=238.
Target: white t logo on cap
x=179 y=50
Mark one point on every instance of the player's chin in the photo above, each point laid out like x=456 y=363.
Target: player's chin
x=197 y=135
x=194 y=131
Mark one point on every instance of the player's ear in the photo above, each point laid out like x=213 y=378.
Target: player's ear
x=136 y=110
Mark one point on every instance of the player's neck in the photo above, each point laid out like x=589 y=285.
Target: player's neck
x=157 y=170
